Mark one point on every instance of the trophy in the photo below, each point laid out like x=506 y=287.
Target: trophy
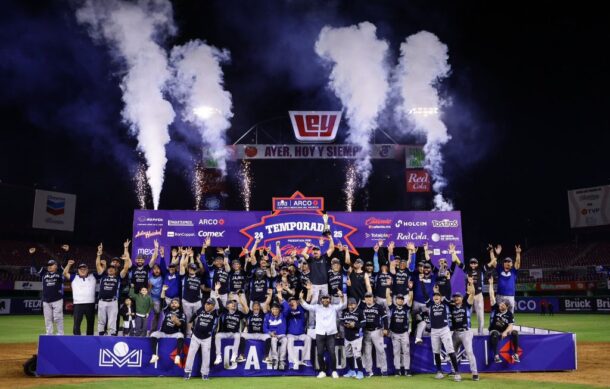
x=326 y=230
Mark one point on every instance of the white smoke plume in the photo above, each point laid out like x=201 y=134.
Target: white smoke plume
x=133 y=31
x=422 y=66
x=199 y=85
x=359 y=77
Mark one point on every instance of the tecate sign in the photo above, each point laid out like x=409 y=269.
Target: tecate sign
x=315 y=126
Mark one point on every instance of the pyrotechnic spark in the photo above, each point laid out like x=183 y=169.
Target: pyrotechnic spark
x=141 y=184
x=198 y=185
x=245 y=183
x=350 y=186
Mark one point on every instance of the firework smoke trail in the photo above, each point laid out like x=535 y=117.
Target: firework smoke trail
x=422 y=66
x=359 y=77
x=198 y=84
x=132 y=30
x=198 y=185
x=351 y=183
x=141 y=184
x=245 y=183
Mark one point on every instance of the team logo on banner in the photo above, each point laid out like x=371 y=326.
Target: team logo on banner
x=315 y=126
x=507 y=354
x=293 y=229
x=120 y=356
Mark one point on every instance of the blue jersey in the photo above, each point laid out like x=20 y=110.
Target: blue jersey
x=507 y=281
x=156 y=283
x=174 y=285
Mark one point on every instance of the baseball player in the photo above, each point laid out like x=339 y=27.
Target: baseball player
x=254 y=326
x=501 y=322
x=173 y=279
x=460 y=325
x=399 y=313
x=424 y=280
x=174 y=323
x=155 y=283
x=318 y=266
x=375 y=328
x=219 y=273
x=325 y=330
x=353 y=322
x=275 y=326
x=108 y=304
x=477 y=274
x=296 y=318
x=507 y=279
x=259 y=287
x=191 y=291
x=440 y=333
x=52 y=296
x=229 y=325
x=204 y=324
x=358 y=281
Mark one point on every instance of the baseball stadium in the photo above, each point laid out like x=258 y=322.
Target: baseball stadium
x=291 y=193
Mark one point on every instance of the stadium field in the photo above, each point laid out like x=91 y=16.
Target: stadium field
x=18 y=336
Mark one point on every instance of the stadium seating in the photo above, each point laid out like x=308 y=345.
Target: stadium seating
x=565 y=255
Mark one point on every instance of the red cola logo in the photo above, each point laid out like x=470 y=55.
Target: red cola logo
x=418 y=181
x=315 y=126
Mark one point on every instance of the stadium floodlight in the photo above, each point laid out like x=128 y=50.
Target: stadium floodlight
x=205 y=112
x=423 y=111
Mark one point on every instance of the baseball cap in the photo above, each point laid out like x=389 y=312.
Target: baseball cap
x=368 y=294
x=437 y=294
x=83 y=266
x=51 y=262
x=292 y=298
x=115 y=259
x=359 y=261
x=324 y=296
x=234 y=261
x=352 y=300
x=335 y=260
x=368 y=263
x=457 y=294
x=193 y=266
x=210 y=301
x=275 y=305
x=420 y=263
x=171 y=265
x=427 y=265
x=400 y=296
x=508 y=259
x=315 y=248
x=474 y=260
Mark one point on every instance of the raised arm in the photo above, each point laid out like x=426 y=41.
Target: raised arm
x=126 y=267
x=410 y=251
x=243 y=303
x=99 y=265
x=183 y=261
x=454 y=257
x=367 y=283
x=388 y=297
x=376 y=249
x=331 y=246
x=471 y=291
x=155 y=254
x=226 y=259
x=426 y=252
x=492 y=293
x=410 y=295
x=517 y=257
x=305 y=250
x=126 y=248
x=67 y=269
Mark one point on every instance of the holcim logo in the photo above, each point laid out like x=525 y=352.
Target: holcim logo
x=444 y=223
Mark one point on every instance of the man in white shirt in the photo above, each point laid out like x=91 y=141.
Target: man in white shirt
x=83 y=293
x=326 y=329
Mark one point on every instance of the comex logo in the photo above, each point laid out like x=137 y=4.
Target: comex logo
x=120 y=356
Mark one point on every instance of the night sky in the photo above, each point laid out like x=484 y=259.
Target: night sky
x=528 y=119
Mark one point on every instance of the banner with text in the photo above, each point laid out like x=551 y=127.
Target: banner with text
x=589 y=207
x=130 y=356
x=292 y=229
x=320 y=151
x=54 y=210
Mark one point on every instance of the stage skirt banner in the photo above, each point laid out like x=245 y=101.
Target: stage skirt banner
x=130 y=356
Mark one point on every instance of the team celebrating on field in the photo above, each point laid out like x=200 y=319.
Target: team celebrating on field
x=283 y=299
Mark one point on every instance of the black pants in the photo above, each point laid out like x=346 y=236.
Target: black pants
x=495 y=336
x=88 y=310
x=326 y=342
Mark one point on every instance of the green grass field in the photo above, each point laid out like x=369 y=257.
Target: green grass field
x=589 y=328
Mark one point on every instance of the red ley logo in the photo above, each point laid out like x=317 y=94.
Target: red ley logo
x=418 y=181
x=315 y=126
